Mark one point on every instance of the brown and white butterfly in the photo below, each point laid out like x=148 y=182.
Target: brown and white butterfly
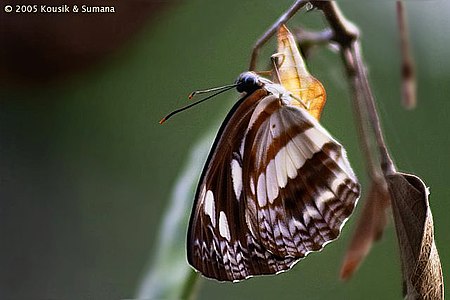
x=276 y=186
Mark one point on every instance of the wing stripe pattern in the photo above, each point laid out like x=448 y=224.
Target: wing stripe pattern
x=275 y=187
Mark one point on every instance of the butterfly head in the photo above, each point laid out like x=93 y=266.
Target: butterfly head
x=248 y=82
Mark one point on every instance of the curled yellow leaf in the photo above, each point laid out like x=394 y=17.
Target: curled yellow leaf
x=294 y=75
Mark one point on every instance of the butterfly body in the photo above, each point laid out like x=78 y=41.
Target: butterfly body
x=276 y=186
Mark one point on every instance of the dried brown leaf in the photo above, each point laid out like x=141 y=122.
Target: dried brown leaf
x=295 y=77
x=421 y=266
x=370 y=227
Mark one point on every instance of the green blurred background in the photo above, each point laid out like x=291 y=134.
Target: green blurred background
x=86 y=171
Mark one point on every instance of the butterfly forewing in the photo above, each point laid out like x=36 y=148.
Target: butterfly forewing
x=275 y=187
x=220 y=244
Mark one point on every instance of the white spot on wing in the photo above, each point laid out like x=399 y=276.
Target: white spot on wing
x=280 y=162
x=296 y=224
x=224 y=230
x=274 y=125
x=312 y=212
x=296 y=156
x=236 y=175
x=260 y=108
x=306 y=218
x=317 y=137
x=271 y=181
x=304 y=146
x=345 y=165
x=324 y=197
x=291 y=170
x=210 y=208
x=337 y=181
x=252 y=185
x=283 y=229
x=261 y=195
x=293 y=156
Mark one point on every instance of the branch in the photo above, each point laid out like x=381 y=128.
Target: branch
x=373 y=218
x=308 y=39
x=273 y=29
x=421 y=267
x=409 y=87
x=347 y=36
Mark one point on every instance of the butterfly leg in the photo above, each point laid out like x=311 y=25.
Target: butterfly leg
x=276 y=64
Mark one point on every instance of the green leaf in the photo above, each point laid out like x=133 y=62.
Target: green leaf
x=169 y=275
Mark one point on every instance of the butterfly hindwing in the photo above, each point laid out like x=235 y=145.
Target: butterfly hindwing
x=301 y=183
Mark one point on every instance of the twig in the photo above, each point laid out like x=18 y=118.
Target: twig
x=363 y=131
x=387 y=165
x=422 y=274
x=347 y=36
x=306 y=37
x=269 y=33
x=409 y=86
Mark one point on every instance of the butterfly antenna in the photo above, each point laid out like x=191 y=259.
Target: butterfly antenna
x=221 y=90
x=225 y=87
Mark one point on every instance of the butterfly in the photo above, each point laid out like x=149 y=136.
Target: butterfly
x=275 y=187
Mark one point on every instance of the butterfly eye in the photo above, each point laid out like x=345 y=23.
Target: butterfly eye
x=248 y=82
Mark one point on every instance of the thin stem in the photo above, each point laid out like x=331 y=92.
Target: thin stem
x=306 y=37
x=387 y=165
x=344 y=31
x=362 y=129
x=409 y=86
x=347 y=36
x=273 y=29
